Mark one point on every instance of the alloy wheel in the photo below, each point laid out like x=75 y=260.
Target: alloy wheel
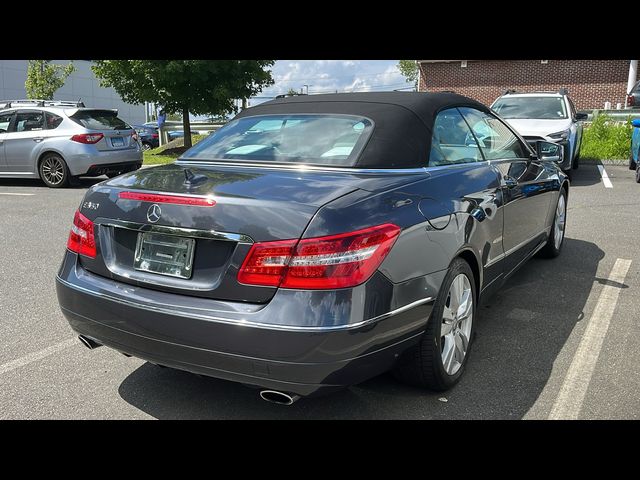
x=53 y=170
x=559 y=223
x=457 y=318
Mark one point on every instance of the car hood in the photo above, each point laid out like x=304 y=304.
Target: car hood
x=529 y=127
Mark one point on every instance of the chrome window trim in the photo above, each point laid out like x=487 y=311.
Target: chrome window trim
x=162 y=308
x=180 y=231
x=303 y=168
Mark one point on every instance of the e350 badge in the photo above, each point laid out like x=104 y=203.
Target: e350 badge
x=90 y=205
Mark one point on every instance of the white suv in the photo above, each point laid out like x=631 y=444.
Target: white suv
x=548 y=116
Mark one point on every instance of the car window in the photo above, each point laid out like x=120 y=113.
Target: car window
x=53 y=120
x=452 y=141
x=5 y=120
x=99 y=120
x=29 y=121
x=547 y=107
x=572 y=108
x=299 y=138
x=496 y=140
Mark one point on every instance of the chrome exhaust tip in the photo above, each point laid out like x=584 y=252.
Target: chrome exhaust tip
x=89 y=342
x=281 y=398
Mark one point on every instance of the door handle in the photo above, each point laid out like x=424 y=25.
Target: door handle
x=510 y=182
x=37 y=139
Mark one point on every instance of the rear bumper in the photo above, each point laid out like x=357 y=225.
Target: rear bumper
x=86 y=157
x=300 y=360
x=101 y=169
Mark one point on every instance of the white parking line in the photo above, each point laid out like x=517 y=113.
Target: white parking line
x=605 y=177
x=35 y=356
x=17 y=194
x=574 y=388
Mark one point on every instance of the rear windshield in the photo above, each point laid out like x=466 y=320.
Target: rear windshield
x=99 y=120
x=334 y=140
x=551 y=108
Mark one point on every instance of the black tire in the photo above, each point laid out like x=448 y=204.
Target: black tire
x=632 y=164
x=551 y=250
x=638 y=173
x=576 y=161
x=422 y=365
x=53 y=171
x=146 y=146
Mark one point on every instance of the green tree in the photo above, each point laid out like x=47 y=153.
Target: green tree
x=292 y=92
x=45 y=78
x=202 y=87
x=409 y=68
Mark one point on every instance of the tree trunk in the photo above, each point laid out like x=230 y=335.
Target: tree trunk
x=186 y=127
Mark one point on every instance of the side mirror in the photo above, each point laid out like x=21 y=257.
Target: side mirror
x=581 y=116
x=551 y=152
x=636 y=122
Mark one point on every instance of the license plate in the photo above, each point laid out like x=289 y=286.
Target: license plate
x=164 y=254
x=117 y=141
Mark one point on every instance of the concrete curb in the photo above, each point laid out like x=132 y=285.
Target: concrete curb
x=613 y=161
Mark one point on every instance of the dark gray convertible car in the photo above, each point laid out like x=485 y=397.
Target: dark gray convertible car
x=315 y=242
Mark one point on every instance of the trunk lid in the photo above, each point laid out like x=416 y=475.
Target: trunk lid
x=251 y=203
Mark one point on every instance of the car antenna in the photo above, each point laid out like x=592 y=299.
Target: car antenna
x=191 y=179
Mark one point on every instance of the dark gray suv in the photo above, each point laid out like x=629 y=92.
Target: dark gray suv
x=315 y=242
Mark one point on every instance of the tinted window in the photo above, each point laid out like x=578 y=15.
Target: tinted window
x=496 y=140
x=5 y=120
x=53 y=120
x=312 y=139
x=530 y=107
x=29 y=121
x=99 y=120
x=452 y=141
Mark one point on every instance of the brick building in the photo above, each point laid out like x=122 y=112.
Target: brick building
x=591 y=83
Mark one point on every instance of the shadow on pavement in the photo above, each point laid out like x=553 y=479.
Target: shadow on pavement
x=587 y=174
x=520 y=332
x=82 y=182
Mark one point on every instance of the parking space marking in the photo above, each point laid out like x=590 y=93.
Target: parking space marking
x=574 y=388
x=605 y=177
x=17 y=194
x=35 y=356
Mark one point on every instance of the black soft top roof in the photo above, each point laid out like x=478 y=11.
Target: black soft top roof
x=403 y=121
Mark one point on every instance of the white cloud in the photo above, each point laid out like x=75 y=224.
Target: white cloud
x=328 y=76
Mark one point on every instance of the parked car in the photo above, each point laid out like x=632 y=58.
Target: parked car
x=315 y=242
x=548 y=116
x=633 y=97
x=173 y=134
x=634 y=160
x=148 y=136
x=56 y=141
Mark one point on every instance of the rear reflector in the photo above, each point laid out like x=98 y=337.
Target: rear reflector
x=89 y=138
x=336 y=261
x=175 y=199
x=81 y=238
x=631 y=100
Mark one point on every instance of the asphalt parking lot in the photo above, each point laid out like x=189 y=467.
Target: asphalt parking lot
x=559 y=341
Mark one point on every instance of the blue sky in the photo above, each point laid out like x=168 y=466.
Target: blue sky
x=327 y=76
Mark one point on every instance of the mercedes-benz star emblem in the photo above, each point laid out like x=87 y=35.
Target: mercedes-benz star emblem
x=154 y=212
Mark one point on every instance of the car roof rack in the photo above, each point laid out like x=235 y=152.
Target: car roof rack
x=509 y=91
x=41 y=103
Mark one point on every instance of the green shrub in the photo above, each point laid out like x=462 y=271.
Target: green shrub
x=606 y=139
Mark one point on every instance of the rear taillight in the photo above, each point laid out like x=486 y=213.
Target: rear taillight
x=81 y=238
x=134 y=135
x=155 y=135
x=631 y=100
x=336 y=261
x=87 y=137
